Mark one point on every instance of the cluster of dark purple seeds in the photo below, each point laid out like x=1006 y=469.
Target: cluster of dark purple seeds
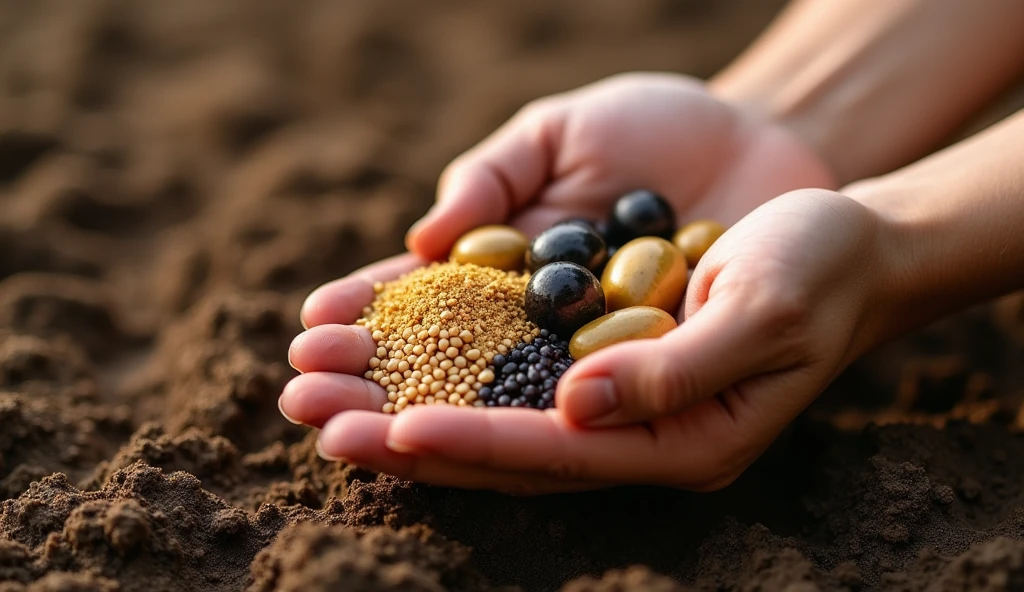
x=527 y=375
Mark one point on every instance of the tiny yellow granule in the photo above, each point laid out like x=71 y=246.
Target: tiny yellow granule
x=437 y=329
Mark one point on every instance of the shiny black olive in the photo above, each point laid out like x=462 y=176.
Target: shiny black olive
x=563 y=296
x=572 y=242
x=640 y=213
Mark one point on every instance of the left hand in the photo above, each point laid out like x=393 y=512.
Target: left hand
x=781 y=304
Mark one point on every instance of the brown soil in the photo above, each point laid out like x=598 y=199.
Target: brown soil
x=176 y=176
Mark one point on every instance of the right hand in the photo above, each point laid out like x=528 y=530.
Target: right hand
x=575 y=153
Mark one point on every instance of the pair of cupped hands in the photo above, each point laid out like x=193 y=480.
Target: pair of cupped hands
x=778 y=306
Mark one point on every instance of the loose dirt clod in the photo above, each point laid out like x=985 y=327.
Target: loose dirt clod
x=438 y=328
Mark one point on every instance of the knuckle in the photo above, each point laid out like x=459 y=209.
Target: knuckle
x=665 y=386
x=565 y=468
x=783 y=310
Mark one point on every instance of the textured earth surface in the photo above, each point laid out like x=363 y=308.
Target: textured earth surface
x=176 y=176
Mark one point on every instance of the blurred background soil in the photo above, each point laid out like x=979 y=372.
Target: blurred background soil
x=176 y=176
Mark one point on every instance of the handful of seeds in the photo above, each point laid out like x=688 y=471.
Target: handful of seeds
x=439 y=330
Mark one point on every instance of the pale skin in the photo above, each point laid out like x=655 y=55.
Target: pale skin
x=832 y=249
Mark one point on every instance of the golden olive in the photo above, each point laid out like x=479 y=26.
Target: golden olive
x=696 y=238
x=497 y=246
x=647 y=271
x=634 y=322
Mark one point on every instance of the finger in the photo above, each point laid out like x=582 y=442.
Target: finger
x=345 y=349
x=358 y=437
x=646 y=379
x=312 y=399
x=489 y=183
x=342 y=301
x=526 y=440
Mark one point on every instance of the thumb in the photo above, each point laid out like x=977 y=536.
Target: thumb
x=646 y=379
x=493 y=180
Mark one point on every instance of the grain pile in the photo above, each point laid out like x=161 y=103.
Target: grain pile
x=438 y=329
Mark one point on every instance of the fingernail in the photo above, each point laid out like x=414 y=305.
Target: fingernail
x=280 y=407
x=593 y=398
x=328 y=457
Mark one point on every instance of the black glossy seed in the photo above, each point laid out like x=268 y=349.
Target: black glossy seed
x=521 y=378
x=504 y=400
x=576 y=243
x=546 y=351
x=530 y=349
x=517 y=403
x=498 y=361
x=640 y=213
x=515 y=356
x=485 y=393
x=544 y=374
x=508 y=368
x=549 y=384
x=548 y=397
x=499 y=390
x=545 y=333
x=533 y=358
x=534 y=375
x=563 y=296
x=530 y=392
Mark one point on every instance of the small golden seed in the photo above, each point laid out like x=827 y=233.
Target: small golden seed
x=443 y=334
x=455 y=342
x=403 y=401
x=449 y=387
x=385 y=381
x=462 y=403
x=419 y=350
x=443 y=344
x=419 y=398
x=502 y=349
x=473 y=355
x=478 y=403
x=439 y=374
x=470 y=396
x=477 y=386
x=422 y=389
x=452 y=302
x=377 y=335
x=403 y=366
x=374 y=362
x=436 y=387
x=462 y=388
x=388 y=408
x=486 y=377
x=466 y=336
x=433 y=330
x=431 y=348
x=475 y=369
x=393 y=397
x=440 y=401
x=445 y=364
x=407 y=349
x=460 y=362
x=396 y=377
x=422 y=335
x=410 y=392
x=407 y=374
x=417 y=374
x=446 y=314
x=412 y=381
x=429 y=399
x=453 y=399
x=381 y=352
x=392 y=388
x=451 y=352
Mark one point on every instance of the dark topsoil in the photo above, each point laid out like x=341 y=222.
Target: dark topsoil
x=176 y=176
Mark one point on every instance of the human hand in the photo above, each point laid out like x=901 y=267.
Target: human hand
x=574 y=153
x=779 y=305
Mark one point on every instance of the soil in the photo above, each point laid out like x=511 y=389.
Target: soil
x=176 y=176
